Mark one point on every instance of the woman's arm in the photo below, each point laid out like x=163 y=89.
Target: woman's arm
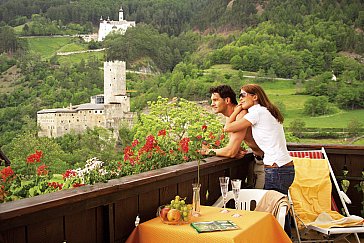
x=236 y=126
x=236 y=121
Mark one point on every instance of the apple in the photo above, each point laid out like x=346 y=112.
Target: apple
x=164 y=213
x=174 y=215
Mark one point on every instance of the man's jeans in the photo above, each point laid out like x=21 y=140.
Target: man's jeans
x=280 y=179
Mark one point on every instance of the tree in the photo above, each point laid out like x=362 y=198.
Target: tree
x=179 y=116
x=354 y=127
x=297 y=127
x=8 y=40
x=236 y=62
x=317 y=106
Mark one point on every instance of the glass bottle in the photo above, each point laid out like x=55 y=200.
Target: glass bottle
x=196 y=200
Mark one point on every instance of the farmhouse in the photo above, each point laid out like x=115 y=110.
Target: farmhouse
x=108 y=110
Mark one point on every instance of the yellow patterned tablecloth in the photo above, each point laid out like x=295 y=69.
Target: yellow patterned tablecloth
x=257 y=227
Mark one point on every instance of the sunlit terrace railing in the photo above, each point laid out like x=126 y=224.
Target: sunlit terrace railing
x=106 y=212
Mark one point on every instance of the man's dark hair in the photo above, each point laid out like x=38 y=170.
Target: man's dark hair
x=225 y=91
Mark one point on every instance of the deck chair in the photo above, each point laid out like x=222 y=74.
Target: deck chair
x=249 y=199
x=310 y=196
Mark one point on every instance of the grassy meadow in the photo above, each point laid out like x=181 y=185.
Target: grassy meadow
x=47 y=47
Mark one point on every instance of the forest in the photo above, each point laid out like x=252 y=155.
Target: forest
x=304 y=41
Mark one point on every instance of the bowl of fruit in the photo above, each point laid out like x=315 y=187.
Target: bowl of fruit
x=178 y=212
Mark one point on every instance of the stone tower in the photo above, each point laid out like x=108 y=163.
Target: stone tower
x=121 y=14
x=114 y=81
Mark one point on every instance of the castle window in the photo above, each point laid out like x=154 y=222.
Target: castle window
x=89 y=111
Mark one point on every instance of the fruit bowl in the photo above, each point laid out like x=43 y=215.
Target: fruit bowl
x=176 y=213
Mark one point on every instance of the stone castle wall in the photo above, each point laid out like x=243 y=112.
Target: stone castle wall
x=111 y=114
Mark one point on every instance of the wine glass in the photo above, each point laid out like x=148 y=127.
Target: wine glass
x=236 y=183
x=224 y=186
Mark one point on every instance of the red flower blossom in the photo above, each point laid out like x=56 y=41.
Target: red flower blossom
x=162 y=132
x=204 y=127
x=6 y=173
x=217 y=142
x=42 y=170
x=211 y=135
x=55 y=185
x=222 y=136
x=120 y=166
x=78 y=184
x=35 y=157
x=183 y=145
x=128 y=153
x=199 y=137
x=149 y=144
x=135 y=143
x=69 y=174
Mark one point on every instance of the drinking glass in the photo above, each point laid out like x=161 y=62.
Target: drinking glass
x=236 y=183
x=224 y=186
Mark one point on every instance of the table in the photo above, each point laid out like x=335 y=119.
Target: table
x=260 y=227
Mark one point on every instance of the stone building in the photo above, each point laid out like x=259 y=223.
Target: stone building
x=107 y=110
x=107 y=26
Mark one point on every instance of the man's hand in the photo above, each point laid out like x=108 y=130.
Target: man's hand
x=204 y=150
x=241 y=153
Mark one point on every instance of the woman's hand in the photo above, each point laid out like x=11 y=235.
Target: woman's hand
x=238 y=108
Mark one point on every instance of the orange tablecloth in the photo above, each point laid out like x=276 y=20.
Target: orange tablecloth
x=257 y=227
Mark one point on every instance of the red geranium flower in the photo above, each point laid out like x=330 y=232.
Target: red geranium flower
x=42 y=170
x=6 y=173
x=35 y=157
x=69 y=174
x=183 y=145
x=162 y=132
x=78 y=184
x=204 y=127
x=135 y=143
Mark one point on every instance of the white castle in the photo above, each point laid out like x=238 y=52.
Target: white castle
x=107 y=110
x=107 y=26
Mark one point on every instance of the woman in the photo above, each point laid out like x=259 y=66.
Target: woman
x=266 y=122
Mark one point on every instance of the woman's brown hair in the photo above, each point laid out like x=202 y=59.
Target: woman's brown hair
x=263 y=100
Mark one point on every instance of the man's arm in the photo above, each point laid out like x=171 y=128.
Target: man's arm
x=233 y=148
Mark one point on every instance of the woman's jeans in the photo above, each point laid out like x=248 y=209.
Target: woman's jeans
x=280 y=179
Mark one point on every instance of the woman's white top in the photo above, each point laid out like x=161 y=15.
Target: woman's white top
x=268 y=133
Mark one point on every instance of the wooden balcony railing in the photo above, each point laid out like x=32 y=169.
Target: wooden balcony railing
x=105 y=212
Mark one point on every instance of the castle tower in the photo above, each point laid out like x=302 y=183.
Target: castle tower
x=114 y=81
x=121 y=14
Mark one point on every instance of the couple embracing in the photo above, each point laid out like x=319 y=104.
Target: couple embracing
x=259 y=123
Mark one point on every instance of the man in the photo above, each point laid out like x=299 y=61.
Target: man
x=223 y=100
